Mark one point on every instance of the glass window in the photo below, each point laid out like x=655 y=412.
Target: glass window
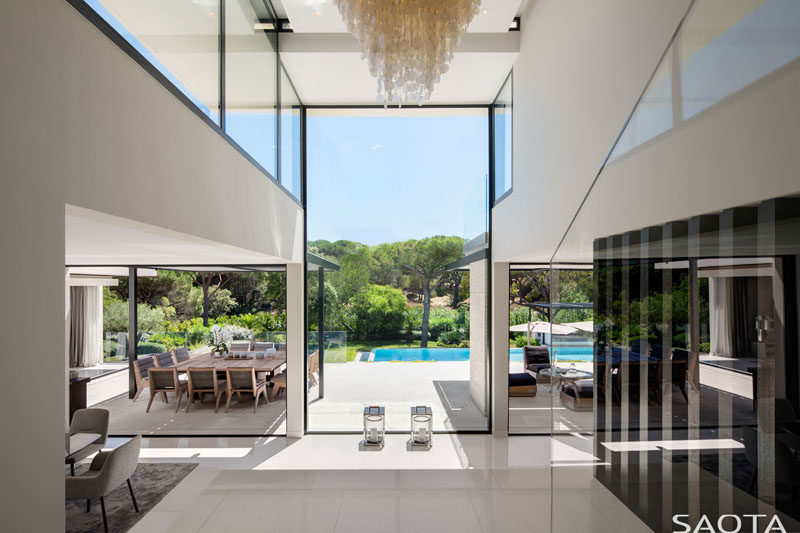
x=722 y=48
x=180 y=38
x=291 y=149
x=503 y=140
x=251 y=75
x=391 y=195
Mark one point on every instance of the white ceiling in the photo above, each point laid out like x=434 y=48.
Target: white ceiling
x=327 y=72
x=328 y=69
x=322 y=16
x=183 y=36
x=94 y=238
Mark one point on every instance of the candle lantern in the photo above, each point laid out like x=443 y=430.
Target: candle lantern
x=422 y=426
x=374 y=426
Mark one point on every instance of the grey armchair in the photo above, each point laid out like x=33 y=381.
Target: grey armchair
x=109 y=469
x=88 y=421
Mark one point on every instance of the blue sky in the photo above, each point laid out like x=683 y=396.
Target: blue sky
x=373 y=175
x=378 y=176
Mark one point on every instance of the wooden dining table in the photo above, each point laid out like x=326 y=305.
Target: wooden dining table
x=270 y=365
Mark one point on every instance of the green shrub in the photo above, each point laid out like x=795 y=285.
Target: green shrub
x=150 y=347
x=520 y=341
x=170 y=340
x=377 y=312
x=450 y=338
x=439 y=324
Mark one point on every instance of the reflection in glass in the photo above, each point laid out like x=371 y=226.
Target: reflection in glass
x=181 y=42
x=723 y=47
x=551 y=345
x=503 y=139
x=757 y=37
x=251 y=81
x=696 y=367
x=290 y=136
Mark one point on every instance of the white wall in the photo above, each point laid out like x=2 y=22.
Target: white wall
x=738 y=152
x=581 y=67
x=84 y=124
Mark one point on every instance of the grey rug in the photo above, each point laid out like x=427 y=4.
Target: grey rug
x=151 y=482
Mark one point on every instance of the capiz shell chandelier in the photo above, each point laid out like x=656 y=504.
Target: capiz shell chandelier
x=408 y=43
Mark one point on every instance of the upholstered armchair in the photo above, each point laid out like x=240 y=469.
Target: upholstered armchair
x=88 y=421
x=109 y=469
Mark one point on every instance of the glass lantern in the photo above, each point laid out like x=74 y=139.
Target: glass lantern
x=422 y=426
x=374 y=426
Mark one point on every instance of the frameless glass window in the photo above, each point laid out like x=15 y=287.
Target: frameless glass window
x=503 y=141
x=758 y=37
x=395 y=197
x=722 y=48
x=251 y=82
x=180 y=38
x=291 y=148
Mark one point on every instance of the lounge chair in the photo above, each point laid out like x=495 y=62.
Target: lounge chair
x=578 y=395
x=536 y=358
x=521 y=384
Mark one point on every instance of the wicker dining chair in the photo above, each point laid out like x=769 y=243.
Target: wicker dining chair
x=166 y=380
x=202 y=381
x=244 y=380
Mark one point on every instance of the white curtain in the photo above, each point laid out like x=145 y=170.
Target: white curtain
x=86 y=326
x=93 y=354
x=720 y=304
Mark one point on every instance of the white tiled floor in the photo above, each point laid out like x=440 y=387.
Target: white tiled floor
x=324 y=483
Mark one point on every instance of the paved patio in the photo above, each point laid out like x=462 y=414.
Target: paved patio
x=129 y=418
x=442 y=385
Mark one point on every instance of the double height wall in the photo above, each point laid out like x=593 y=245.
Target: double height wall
x=691 y=230
x=220 y=58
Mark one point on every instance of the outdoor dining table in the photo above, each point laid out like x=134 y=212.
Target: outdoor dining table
x=271 y=365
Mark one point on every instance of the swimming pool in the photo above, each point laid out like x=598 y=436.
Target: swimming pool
x=571 y=353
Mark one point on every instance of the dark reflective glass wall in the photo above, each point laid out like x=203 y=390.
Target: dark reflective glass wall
x=696 y=365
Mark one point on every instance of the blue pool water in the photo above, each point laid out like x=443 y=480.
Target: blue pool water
x=573 y=353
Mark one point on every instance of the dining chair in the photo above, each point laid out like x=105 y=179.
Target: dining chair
x=278 y=384
x=141 y=368
x=263 y=346
x=166 y=380
x=240 y=346
x=109 y=469
x=163 y=360
x=244 y=380
x=179 y=355
x=313 y=367
x=88 y=421
x=202 y=381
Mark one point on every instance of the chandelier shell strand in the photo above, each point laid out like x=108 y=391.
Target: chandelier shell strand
x=407 y=43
